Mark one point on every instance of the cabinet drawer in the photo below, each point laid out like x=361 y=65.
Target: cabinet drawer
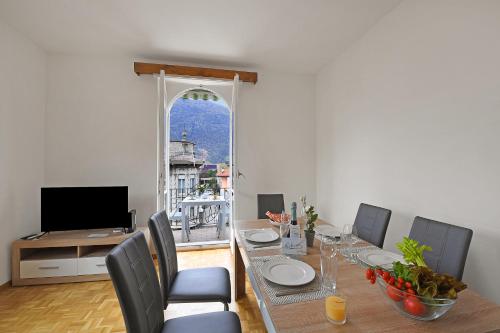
x=92 y=265
x=47 y=268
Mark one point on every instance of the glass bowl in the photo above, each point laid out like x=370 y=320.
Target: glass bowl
x=412 y=306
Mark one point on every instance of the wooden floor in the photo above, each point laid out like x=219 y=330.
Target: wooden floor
x=202 y=233
x=93 y=306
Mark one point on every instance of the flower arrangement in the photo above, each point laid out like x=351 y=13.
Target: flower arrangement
x=303 y=202
x=311 y=217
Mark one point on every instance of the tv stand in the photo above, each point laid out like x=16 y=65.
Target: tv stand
x=100 y=235
x=65 y=256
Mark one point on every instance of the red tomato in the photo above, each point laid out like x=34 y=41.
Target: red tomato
x=392 y=280
x=413 y=306
x=410 y=291
x=408 y=285
x=401 y=280
x=379 y=271
x=369 y=273
x=394 y=293
x=373 y=279
x=386 y=276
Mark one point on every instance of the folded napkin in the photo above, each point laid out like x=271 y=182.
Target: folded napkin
x=276 y=217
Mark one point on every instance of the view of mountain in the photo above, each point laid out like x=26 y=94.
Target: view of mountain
x=206 y=124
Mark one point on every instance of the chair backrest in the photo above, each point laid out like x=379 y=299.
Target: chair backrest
x=450 y=245
x=163 y=238
x=136 y=284
x=274 y=203
x=371 y=223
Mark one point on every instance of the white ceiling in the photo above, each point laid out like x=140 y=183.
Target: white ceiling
x=288 y=35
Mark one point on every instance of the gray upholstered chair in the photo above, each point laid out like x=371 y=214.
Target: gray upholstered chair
x=371 y=223
x=190 y=285
x=136 y=284
x=450 y=245
x=274 y=203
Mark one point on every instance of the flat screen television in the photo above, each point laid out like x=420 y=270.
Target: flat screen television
x=77 y=208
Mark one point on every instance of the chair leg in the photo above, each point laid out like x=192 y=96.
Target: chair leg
x=226 y=307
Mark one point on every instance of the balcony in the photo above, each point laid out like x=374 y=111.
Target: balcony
x=202 y=219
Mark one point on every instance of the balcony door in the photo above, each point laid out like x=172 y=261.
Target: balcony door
x=196 y=157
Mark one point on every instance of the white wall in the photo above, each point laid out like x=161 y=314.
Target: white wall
x=408 y=118
x=22 y=108
x=101 y=129
x=275 y=140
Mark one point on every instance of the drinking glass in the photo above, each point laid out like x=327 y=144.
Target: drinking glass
x=328 y=262
x=336 y=309
x=284 y=225
x=347 y=239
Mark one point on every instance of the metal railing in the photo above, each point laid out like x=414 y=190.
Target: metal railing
x=177 y=195
x=209 y=215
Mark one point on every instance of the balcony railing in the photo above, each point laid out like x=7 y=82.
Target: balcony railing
x=196 y=218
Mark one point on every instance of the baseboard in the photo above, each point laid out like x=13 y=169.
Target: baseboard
x=6 y=285
x=201 y=247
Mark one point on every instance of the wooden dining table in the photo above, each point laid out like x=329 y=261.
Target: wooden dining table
x=367 y=308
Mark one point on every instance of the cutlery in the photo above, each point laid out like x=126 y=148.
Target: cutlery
x=265 y=245
x=294 y=292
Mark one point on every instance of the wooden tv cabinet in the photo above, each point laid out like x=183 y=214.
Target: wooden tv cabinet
x=64 y=256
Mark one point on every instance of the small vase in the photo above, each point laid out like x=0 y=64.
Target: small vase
x=309 y=238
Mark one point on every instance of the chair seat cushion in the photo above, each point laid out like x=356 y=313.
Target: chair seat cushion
x=214 y=322
x=201 y=285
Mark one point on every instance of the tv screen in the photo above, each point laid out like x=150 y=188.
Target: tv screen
x=76 y=208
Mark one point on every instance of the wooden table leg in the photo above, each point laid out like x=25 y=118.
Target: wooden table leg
x=239 y=273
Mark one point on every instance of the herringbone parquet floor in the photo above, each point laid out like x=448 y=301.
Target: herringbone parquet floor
x=92 y=307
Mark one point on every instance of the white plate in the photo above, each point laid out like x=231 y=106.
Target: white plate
x=377 y=257
x=261 y=235
x=288 y=272
x=327 y=230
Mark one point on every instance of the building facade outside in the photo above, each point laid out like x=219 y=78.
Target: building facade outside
x=184 y=174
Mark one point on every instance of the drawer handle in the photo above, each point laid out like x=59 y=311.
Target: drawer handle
x=100 y=265
x=48 y=267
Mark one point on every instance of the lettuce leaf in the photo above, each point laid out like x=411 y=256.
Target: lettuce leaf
x=427 y=283
x=412 y=251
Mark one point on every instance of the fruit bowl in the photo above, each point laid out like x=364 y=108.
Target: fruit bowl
x=412 y=306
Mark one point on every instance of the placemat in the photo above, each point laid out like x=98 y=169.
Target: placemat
x=252 y=246
x=272 y=289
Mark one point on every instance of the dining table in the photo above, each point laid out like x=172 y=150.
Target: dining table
x=367 y=308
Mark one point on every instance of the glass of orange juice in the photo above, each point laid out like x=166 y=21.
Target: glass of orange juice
x=336 y=309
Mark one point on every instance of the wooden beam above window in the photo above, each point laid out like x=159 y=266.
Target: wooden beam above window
x=225 y=74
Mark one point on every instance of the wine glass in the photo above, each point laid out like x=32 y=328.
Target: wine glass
x=284 y=224
x=348 y=239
